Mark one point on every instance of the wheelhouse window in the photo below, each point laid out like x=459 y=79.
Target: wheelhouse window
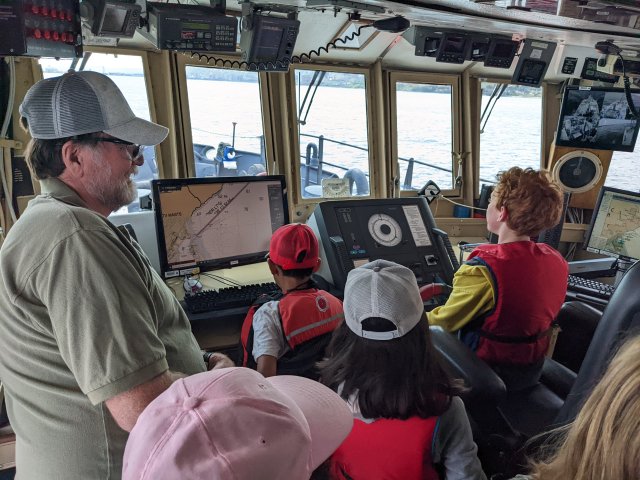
x=510 y=129
x=333 y=133
x=127 y=72
x=620 y=174
x=226 y=122
x=424 y=117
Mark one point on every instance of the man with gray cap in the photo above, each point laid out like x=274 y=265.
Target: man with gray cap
x=90 y=333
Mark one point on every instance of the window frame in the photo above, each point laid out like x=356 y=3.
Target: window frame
x=296 y=154
x=545 y=145
x=182 y=95
x=454 y=81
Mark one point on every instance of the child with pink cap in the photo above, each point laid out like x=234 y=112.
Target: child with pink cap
x=234 y=424
x=288 y=334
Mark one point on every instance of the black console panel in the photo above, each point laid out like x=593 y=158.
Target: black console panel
x=402 y=230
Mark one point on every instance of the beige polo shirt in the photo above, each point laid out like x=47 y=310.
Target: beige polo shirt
x=83 y=317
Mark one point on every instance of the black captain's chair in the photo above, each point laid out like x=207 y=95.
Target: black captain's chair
x=503 y=420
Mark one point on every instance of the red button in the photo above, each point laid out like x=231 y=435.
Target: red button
x=35 y=9
x=45 y=11
x=69 y=15
x=54 y=13
x=63 y=36
x=37 y=33
x=47 y=34
x=56 y=36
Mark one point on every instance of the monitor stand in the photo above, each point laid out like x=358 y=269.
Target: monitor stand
x=621 y=266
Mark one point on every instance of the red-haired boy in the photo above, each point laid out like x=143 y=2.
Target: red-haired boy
x=506 y=295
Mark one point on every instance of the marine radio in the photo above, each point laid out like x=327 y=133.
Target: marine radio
x=402 y=230
x=267 y=43
x=190 y=27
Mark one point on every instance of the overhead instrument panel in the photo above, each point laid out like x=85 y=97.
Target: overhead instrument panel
x=402 y=230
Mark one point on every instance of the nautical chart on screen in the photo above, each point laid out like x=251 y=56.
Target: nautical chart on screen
x=203 y=222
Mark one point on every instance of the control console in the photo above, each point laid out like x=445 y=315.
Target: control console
x=40 y=28
x=401 y=230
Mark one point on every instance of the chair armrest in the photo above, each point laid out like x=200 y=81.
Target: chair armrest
x=557 y=378
x=483 y=383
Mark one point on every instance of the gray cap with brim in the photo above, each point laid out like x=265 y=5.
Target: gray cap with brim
x=382 y=289
x=77 y=103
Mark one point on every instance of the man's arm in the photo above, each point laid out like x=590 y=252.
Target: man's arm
x=127 y=406
x=267 y=365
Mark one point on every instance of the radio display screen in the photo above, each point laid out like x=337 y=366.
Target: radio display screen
x=196 y=26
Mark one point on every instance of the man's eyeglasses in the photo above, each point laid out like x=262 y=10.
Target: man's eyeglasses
x=134 y=152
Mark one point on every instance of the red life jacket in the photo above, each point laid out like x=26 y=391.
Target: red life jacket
x=304 y=316
x=387 y=448
x=530 y=281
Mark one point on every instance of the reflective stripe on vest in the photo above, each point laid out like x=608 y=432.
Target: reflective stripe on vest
x=307 y=314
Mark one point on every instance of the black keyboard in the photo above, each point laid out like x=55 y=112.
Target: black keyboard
x=230 y=297
x=590 y=287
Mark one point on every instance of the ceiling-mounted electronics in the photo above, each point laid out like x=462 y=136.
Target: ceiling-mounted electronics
x=535 y=57
x=454 y=48
x=267 y=43
x=501 y=52
x=33 y=28
x=426 y=40
x=577 y=171
x=111 y=18
x=448 y=46
x=479 y=47
x=590 y=71
x=190 y=27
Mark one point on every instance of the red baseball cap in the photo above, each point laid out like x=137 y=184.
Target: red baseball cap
x=294 y=247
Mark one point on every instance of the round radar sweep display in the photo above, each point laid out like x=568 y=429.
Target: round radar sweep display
x=577 y=171
x=385 y=230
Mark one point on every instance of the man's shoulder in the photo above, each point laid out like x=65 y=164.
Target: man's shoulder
x=46 y=209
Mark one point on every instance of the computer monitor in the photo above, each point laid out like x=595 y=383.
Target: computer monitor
x=615 y=226
x=599 y=118
x=219 y=222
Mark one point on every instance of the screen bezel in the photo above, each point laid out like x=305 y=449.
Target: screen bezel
x=594 y=217
x=256 y=257
x=588 y=145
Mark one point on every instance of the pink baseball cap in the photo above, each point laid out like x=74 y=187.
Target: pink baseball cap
x=294 y=247
x=233 y=423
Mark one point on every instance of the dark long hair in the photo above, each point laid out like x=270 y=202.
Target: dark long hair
x=397 y=378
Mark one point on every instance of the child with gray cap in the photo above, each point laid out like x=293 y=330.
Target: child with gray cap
x=408 y=422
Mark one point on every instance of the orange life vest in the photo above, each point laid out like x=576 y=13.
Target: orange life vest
x=305 y=315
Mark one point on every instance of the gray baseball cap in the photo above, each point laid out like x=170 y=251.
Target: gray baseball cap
x=386 y=290
x=85 y=102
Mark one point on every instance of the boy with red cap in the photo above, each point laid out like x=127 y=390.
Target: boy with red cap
x=288 y=334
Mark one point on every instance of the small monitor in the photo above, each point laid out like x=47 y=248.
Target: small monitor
x=454 y=48
x=599 y=118
x=500 y=53
x=268 y=44
x=111 y=18
x=615 y=226
x=218 y=222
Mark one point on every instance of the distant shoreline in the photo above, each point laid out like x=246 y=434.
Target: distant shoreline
x=250 y=77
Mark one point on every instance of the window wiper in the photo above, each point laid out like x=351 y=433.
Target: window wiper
x=316 y=81
x=495 y=96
